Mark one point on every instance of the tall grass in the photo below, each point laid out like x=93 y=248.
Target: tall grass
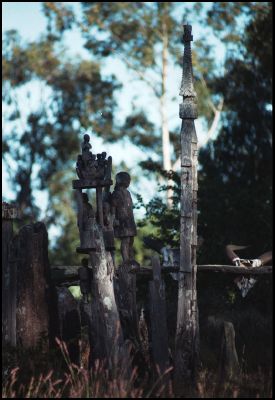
x=77 y=381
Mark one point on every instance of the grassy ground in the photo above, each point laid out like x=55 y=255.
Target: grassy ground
x=35 y=375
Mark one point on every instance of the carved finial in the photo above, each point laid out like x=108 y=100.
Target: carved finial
x=187 y=30
x=188 y=109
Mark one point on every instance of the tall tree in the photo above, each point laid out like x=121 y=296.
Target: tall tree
x=146 y=38
x=44 y=139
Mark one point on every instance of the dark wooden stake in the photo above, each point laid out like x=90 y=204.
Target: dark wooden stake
x=125 y=286
x=229 y=363
x=186 y=344
x=9 y=278
x=158 y=321
x=33 y=284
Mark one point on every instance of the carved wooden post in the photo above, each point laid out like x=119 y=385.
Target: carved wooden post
x=9 y=266
x=186 y=346
x=106 y=338
x=158 y=320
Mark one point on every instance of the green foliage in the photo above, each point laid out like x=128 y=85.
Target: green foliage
x=164 y=220
x=49 y=140
x=235 y=179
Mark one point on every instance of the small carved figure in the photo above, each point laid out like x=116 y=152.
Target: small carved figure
x=122 y=211
x=86 y=224
x=86 y=146
x=91 y=167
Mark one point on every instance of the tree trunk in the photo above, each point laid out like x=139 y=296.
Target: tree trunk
x=167 y=166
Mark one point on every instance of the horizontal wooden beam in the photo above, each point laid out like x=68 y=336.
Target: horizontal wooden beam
x=267 y=269
x=68 y=275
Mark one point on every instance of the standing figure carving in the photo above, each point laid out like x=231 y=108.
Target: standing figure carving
x=86 y=223
x=124 y=222
x=86 y=146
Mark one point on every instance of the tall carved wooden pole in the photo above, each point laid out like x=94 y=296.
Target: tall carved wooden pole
x=186 y=346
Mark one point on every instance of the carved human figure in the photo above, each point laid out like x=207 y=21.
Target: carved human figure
x=86 y=223
x=85 y=147
x=122 y=211
x=91 y=167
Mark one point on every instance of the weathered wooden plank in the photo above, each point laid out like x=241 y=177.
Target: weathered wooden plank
x=65 y=275
x=13 y=266
x=185 y=245
x=267 y=269
x=125 y=285
x=69 y=322
x=7 y=316
x=9 y=277
x=187 y=127
x=33 y=283
x=229 y=367
x=62 y=274
x=186 y=189
x=158 y=321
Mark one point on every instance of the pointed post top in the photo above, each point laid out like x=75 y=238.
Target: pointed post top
x=188 y=108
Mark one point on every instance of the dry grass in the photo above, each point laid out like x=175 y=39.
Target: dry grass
x=75 y=381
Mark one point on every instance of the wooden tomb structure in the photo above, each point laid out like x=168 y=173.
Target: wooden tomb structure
x=97 y=277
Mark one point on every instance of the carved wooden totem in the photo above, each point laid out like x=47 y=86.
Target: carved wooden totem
x=124 y=222
x=96 y=280
x=186 y=346
x=94 y=172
